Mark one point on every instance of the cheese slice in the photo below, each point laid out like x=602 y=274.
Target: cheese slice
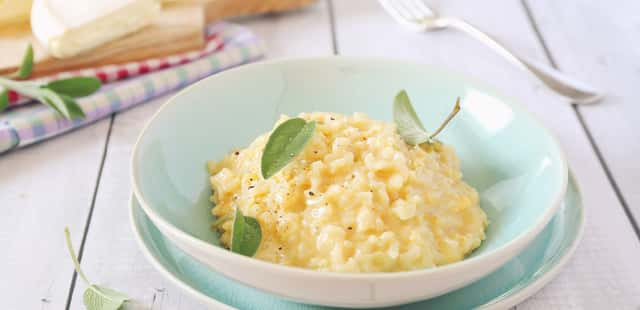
x=69 y=27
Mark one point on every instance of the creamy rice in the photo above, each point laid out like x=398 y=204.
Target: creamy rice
x=356 y=199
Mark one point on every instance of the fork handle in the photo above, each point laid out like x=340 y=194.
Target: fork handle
x=551 y=77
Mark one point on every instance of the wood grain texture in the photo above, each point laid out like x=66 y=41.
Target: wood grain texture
x=598 y=41
x=603 y=272
x=220 y=9
x=43 y=188
x=305 y=32
x=111 y=255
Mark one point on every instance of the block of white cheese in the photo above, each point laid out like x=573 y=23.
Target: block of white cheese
x=69 y=27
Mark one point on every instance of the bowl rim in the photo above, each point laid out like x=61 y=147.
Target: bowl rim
x=513 y=246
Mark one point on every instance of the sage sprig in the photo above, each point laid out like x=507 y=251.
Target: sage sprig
x=58 y=94
x=95 y=297
x=285 y=142
x=26 y=66
x=246 y=234
x=410 y=127
x=4 y=99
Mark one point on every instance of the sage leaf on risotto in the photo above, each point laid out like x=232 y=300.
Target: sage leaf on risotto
x=247 y=234
x=410 y=127
x=284 y=143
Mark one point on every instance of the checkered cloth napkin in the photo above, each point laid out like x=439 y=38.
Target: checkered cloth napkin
x=227 y=46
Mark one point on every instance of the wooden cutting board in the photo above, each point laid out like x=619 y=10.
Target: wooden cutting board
x=219 y=9
x=179 y=28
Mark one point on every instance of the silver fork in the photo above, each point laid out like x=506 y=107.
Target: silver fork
x=417 y=16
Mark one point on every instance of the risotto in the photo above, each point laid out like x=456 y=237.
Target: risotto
x=356 y=199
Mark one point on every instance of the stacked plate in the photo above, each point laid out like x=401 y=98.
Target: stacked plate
x=517 y=167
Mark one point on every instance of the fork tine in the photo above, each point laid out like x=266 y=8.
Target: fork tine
x=421 y=7
x=406 y=7
x=399 y=14
x=404 y=14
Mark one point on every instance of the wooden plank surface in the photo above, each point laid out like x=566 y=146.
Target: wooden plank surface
x=598 y=41
x=44 y=188
x=111 y=254
x=604 y=272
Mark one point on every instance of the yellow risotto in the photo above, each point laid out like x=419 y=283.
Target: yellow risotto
x=356 y=199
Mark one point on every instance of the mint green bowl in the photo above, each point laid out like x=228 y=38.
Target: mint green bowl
x=513 y=162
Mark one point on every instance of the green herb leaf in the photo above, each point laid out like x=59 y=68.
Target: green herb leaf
x=246 y=234
x=4 y=99
x=95 y=297
x=285 y=142
x=55 y=101
x=75 y=111
x=57 y=94
x=409 y=125
x=75 y=87
x=24 y=71
x=63 y=104
x=101 y=298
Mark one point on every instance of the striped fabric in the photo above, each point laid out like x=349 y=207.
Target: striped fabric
x=111 y=73
x=23 y=126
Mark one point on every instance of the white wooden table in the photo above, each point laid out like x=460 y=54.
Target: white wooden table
x=81 y=179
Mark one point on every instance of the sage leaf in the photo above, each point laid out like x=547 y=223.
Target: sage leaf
x=75 y=87
x=75 y=111
x=24 y=71
x=102 y=298
x=57 y=94
x=246 y=234
x=55 y=101
x=4 y=99
x=63 y=104
x=94 y=297
x=285 y=142
x=410 y=127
